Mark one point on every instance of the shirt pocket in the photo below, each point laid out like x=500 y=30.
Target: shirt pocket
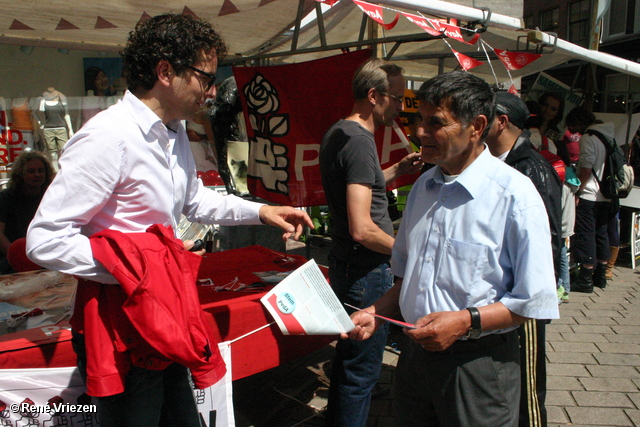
x=461 y=268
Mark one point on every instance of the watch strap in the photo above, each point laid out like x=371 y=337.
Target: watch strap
x=476 y=323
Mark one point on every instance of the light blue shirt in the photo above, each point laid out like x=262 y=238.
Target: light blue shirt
x=479 y=239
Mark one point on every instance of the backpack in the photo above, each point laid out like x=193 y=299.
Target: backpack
x=556 y=162
x=617 y=179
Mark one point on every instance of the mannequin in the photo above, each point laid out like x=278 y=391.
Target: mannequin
x=90 y=105
x=23 y=122
x=56 y=126
x=119 y=86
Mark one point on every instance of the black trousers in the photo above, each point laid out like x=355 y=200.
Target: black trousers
x=590 y=243
x=473 y=383
x=533 y=366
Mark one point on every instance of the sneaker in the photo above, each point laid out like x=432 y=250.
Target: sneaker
x=560 y=293
x=565 y=297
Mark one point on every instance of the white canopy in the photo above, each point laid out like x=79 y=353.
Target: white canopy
x=262 y=29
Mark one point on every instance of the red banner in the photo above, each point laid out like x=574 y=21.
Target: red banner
x=375 y=12
x=515 y=60
x=288 y=109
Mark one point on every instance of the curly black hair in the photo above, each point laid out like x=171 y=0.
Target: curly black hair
x=176 y=38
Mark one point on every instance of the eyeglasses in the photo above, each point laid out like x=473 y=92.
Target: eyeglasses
x=400 y=99
x=211 y=77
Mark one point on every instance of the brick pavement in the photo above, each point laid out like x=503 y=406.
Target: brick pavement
x=593 y=369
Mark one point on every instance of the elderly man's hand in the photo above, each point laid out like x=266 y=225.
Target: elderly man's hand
x=291 y=220
x=437 y=331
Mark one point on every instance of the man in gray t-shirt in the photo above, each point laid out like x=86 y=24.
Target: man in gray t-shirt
x=361 y=231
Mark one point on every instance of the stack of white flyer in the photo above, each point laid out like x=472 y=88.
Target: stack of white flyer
x=304 y=304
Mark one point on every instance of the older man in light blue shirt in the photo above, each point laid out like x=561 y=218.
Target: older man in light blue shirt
x=472 y=261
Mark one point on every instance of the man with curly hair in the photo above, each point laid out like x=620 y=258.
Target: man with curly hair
x=129 y=168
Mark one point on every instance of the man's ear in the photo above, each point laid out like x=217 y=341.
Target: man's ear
x=371 y=96
x=165 y=72
x=503 y=121
x=478 y=124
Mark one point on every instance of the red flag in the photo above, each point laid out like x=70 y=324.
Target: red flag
x=422 y=23
x=515 y=60
x=466 y=62
x=375 y=12
x=329 y=2
x=288 y=109
x=453 y=32
x=513 y=90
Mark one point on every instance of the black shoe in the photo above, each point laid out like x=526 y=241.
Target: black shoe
x=584 y=282
x=600 y=276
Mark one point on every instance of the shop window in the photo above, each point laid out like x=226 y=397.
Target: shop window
x=549 y=19
x=579 y=22
x=615 y=20
x=528 y=22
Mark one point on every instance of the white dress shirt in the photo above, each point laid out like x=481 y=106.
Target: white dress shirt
x=124 y=170
x=479 y=239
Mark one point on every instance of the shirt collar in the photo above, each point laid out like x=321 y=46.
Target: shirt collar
x=144 y=116
x=469 y=179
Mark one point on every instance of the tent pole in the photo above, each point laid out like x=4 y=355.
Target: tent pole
x=296 y=31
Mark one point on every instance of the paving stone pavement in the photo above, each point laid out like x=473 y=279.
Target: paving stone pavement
x=593 y=369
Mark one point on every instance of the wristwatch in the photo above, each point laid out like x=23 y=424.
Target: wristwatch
x=476 y=324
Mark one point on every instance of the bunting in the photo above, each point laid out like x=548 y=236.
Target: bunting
x=515 y=60
x=421 y=22
x=454 y=32
x=102 y=23
x=228 y=8
x=66 y=25
x=466 y=62
x=17 y=25
x=375 y=12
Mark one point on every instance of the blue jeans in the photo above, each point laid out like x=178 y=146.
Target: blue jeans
x=565 y=278
x=356 y=366
x=150 y=399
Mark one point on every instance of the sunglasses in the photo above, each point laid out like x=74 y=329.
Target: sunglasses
x=211 y=77
x=400 y=99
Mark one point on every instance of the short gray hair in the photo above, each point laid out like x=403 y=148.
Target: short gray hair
x=374 y=73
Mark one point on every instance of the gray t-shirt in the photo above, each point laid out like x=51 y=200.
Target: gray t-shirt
x=348 y=155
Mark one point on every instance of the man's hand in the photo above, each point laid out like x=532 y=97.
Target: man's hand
x=411 y=163
x=437 y=331
x=291 y=220
x=188 y=245
x=366 y=325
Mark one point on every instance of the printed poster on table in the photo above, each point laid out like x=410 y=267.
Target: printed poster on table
x=288 y=109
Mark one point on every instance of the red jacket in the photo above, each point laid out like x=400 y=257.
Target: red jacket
x=152 y=319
